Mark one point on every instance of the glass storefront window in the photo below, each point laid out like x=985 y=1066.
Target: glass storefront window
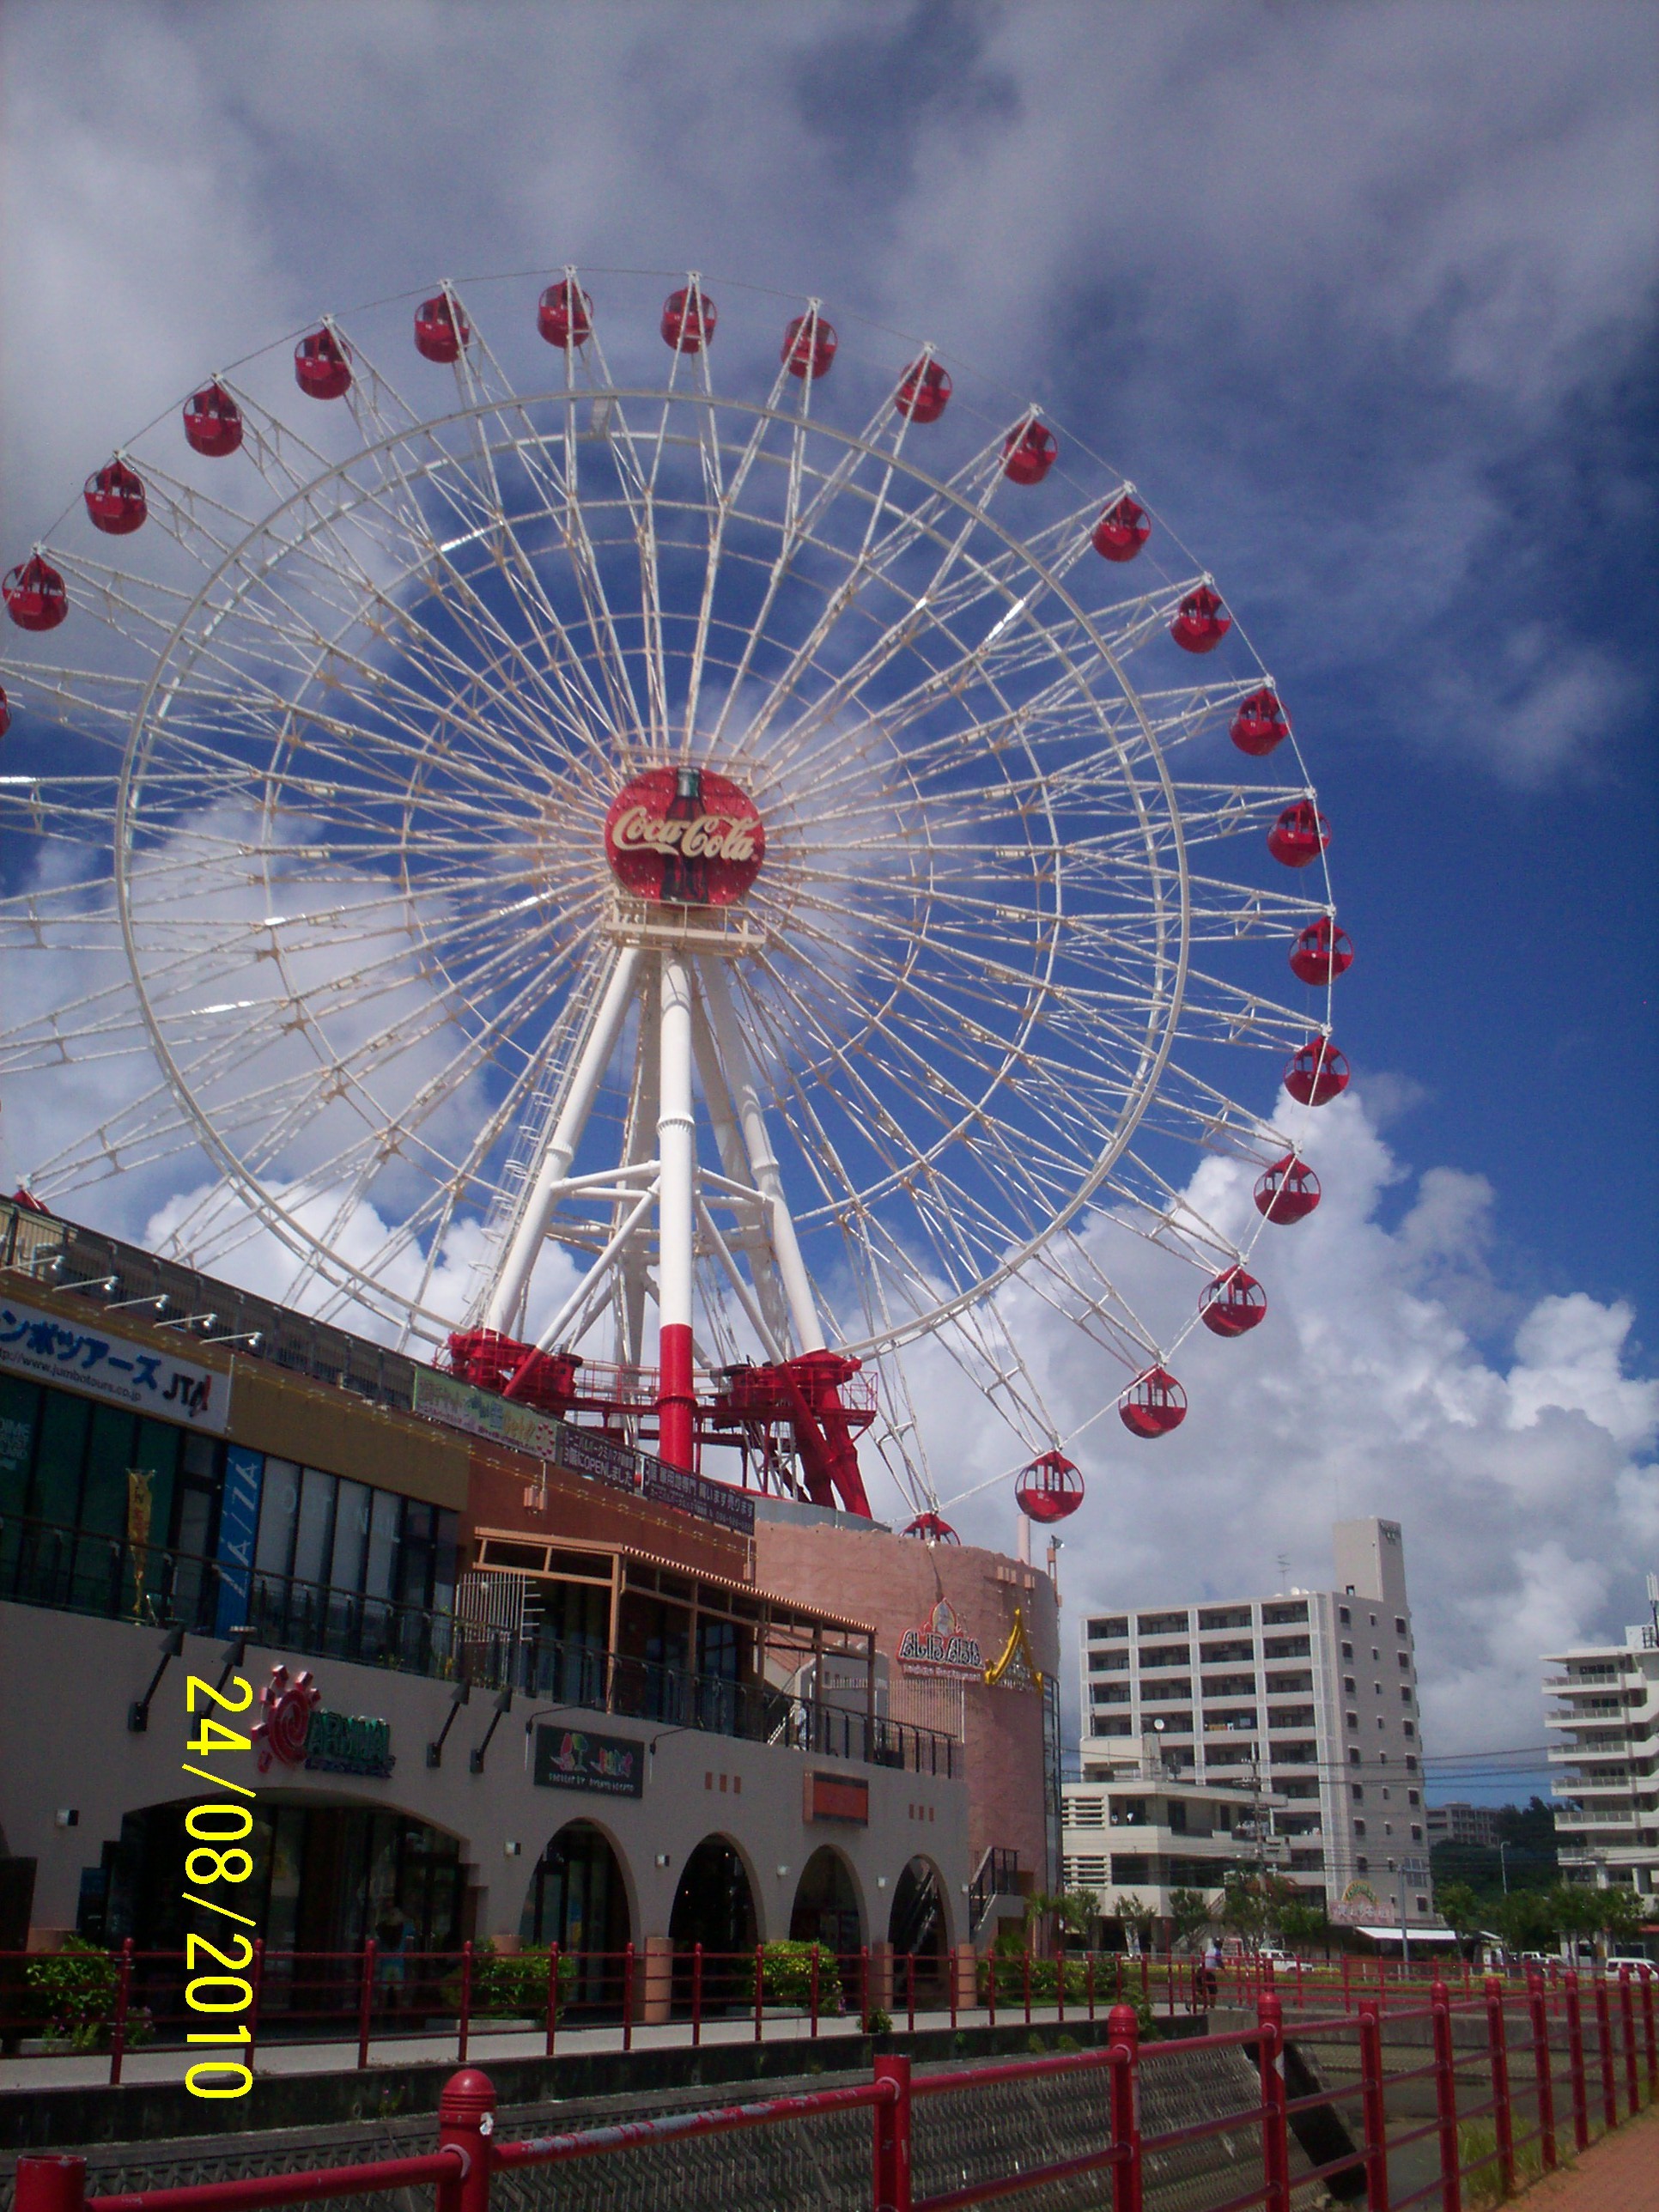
x=62 y=1447
x=279 y=1511
x=20 y=1406
x=314 y=1535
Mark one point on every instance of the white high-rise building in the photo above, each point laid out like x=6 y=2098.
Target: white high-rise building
x=1311 y=1693
x=1606 y=1820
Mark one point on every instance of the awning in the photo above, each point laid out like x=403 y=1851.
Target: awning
x=1416 y=1935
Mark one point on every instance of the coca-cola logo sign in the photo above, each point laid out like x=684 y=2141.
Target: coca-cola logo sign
x=685 y=835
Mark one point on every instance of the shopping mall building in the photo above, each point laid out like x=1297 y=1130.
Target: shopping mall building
x=514 y=1679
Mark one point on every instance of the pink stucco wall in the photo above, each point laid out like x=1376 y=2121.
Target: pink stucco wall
x=892 y=1582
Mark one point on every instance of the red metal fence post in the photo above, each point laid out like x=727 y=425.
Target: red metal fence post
x=465 y=2023
x=1123 y=2026
x=117 y=2039
x=1648 y=2033
x=1575 y=2064
x=1498 y=2054
x=760 y=1987
x=1275 y=2138
x=990 y=1988
x=1538 y=2013
x=1026 y=1964
x=696 y=1996
x=366 y=2003
x=1089 y=1985
x=1445 y=2102
x=1060 y=1980
x=466 y=2122
x=910 y=1991
x=816 y=1955
x=1627 y=2017
x=1373 y=2109
x=552 y=1996
x=51 y=2184
x=1604 y=2037
x=864 y=1982
x=627 y=1997
x=892 y=2161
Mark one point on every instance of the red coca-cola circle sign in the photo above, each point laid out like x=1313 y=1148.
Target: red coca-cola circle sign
x=685 y=835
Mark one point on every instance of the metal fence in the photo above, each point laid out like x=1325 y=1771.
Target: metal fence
x=1415 y=2097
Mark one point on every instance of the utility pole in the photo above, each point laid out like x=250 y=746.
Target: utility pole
x=1504 y=1864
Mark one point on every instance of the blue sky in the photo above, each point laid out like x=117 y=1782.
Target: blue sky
x=1363 y=294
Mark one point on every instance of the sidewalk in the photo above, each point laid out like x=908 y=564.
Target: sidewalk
x=1619 y=2174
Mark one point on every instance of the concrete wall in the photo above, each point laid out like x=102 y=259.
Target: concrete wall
x=69 y=1680
x=892 y=1582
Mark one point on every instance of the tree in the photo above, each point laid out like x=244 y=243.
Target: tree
x=1139 y=1920
x=1189 y=1910
x=1460 y=1909
x=1302 y=1920
x=1621 y=1913
x=1244 y=1908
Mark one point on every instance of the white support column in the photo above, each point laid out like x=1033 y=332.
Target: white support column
x=507 y=1299
x=677 y=1156
x=762 y=1161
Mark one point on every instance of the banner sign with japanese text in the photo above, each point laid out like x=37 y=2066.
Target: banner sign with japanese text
x=78 y=1357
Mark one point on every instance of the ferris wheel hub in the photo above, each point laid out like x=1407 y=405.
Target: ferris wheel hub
x=685 y=837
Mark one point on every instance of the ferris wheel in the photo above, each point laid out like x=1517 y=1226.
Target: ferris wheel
x=685 y=900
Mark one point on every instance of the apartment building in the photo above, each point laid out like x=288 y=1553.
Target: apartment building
x=1148 y=1830
x=1311 y=1695
x=1460 y=1822
x=1604 y=1701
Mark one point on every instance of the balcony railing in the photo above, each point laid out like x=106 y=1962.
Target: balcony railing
x=71 y=1571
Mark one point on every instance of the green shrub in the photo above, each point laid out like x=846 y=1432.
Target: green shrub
x=73 y=1991
x=511 y=1985
x=787 y=1976
x=876 y=2022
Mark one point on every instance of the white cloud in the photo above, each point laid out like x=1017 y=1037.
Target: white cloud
x=1522 y=1474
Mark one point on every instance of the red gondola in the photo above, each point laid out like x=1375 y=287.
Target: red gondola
x=1233 y=1304
x=1121 y=531
x=1199 y=624
x=213 y=422
x=1317 y=1073
x=1154 y=1404
x=689 y=317
x=321 y=368
x=1260 y=724
x=440 y=329
x=1029 y=453
x=1322 y=953
x=1049 y=1489
x=1288 y=1191
x=924 y=392
x=115 y=498
x=5 y=711
x=809 y=342
x=1300 y=834
x=931 y=1530
x=564 y=314
x=34 y=595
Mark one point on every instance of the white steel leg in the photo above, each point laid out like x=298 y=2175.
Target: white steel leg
x=676 y=1155
x=507 y=1299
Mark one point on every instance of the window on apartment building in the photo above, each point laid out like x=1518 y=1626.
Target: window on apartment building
x=1407 y=1729
x=1405 y=1693
x=1411 y=1797
x=1353 y=1720
x=1224 y=1616
x=1353 y=1755
x=1280 y=1616
x=1387 y=1827
x=1349 y=1684
x=1417 y=1834
x=1405 y=1658
x=1411 y=1764
x=1165 y=1655
x=1357 y=1791
x=1109 y=1693
x=1111 y=1725
x=1343 y=1615
x=1399 y=1625
x=1109 y=1630
x=1287 y=1647
x=1359 y=1827
x=1347 y=1651
x=1223 y=1655
x=1385 y=1793
x=1107 y=1662
x=1361 y=1864
x=1161 y=1623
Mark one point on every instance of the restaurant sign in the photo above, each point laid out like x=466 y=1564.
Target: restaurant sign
x=942 y=1648
x=604 y=1766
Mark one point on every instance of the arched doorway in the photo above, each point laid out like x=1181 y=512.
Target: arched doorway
x=826 y=1908
x=715 y=1905
x=578 y=1899
x=917 y=1930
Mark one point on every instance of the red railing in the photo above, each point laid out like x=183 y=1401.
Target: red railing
x=1518 y=2055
